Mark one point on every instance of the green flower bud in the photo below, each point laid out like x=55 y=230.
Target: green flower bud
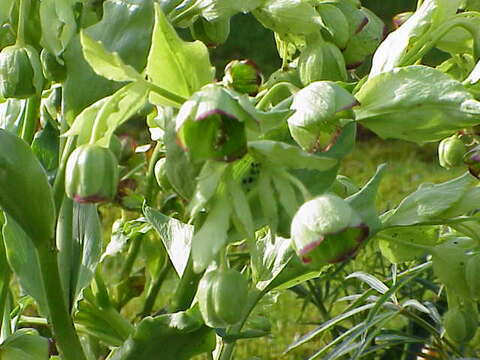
x=243 y=76
x=211 y=33
x=451 y=151
x=211 y=126
x=365 y=42
x=222 y=295
x=161 y=174
x=91 y=174
x=355 y=17
x=52 y=69
x=20 y=72
x=327 y=230
x=459 y=326
x=321 y=60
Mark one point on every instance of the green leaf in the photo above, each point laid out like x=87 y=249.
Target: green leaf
x=107 y=64
x=176 y=237
x=178 y=66
x=106 y=115
x=393 y=49
x=79 y=241
x=207 y=184
x=268 y=201
x=289 y=156
x=12 y=114
x=364 y=201
x=25 y=193
x=23 y=259
x=416 y=103
x=286 y=195
x=270 y=256
x=58 y=23
x=241 y=208
x=126 y=28
x=212 y=235
x=428 y=202
x=178 y=336
x=25 y=344
x=45 y=146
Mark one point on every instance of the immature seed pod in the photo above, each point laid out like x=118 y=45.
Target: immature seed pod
x=222 y=295
x=91 y=174
x=472 y=275
x=20 y=72
x=52 y=69
x=451 y=151
x=327 y=230
x=459 y=326
x=211 y=33
x=243 y=76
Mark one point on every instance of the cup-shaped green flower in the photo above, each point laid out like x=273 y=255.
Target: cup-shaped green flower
x=451 y=151
x=92 y=174
x=211 y=126
x=321 y=60
x=243 y=76
x=20 y=72
x=222 y=295
x=327 y=230
x=459 y=326
x=161 y=174
x=472 y=160
x=211 y=33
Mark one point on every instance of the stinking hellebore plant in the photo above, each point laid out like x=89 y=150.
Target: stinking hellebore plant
x=228 y=188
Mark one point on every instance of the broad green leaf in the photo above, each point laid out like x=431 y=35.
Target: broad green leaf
x=428 y=202
x=126 y=28
x=212 y=235
x=178 y=66
x=268 y=200
x=58 y=23
x=364 y=201
x=429 y=16
x=107 y=114
x=207 y=183
x=241 y=208
x=79 y=241
x=23 y=259
x=104 y=63
x=289 y=156
x=270 y=256
x=416 y=103
x=25 y=344
x=400 y=251
x=176 y=237
x=286 y=195
x=25 y=193
x=178 y=336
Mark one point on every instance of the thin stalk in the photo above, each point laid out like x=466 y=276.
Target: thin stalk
x=30 y=118
x=67 y=340
x=22 y=15
x=177 y=99
x=274 y=90
x=151 y=181
x=59 y=184
x=131 y=257
x=186 y=289
x=155 y=289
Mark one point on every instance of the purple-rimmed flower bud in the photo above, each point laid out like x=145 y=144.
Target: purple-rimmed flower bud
x=211 y=126
x=451 y=151
x=472 y=160
x=327 y=230
x=400 y=19
x=243 y=76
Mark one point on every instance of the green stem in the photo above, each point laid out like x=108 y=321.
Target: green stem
x=59 y=184
x=155 y=289
x=406 y=243
x=30 y=118
x=67 y=340
x=151 y=181
x=133 y=252
x=22 y=15
x=177 y=99
x=186 y=289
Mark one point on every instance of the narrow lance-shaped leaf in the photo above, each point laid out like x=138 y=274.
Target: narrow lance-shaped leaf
x=25 y=344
